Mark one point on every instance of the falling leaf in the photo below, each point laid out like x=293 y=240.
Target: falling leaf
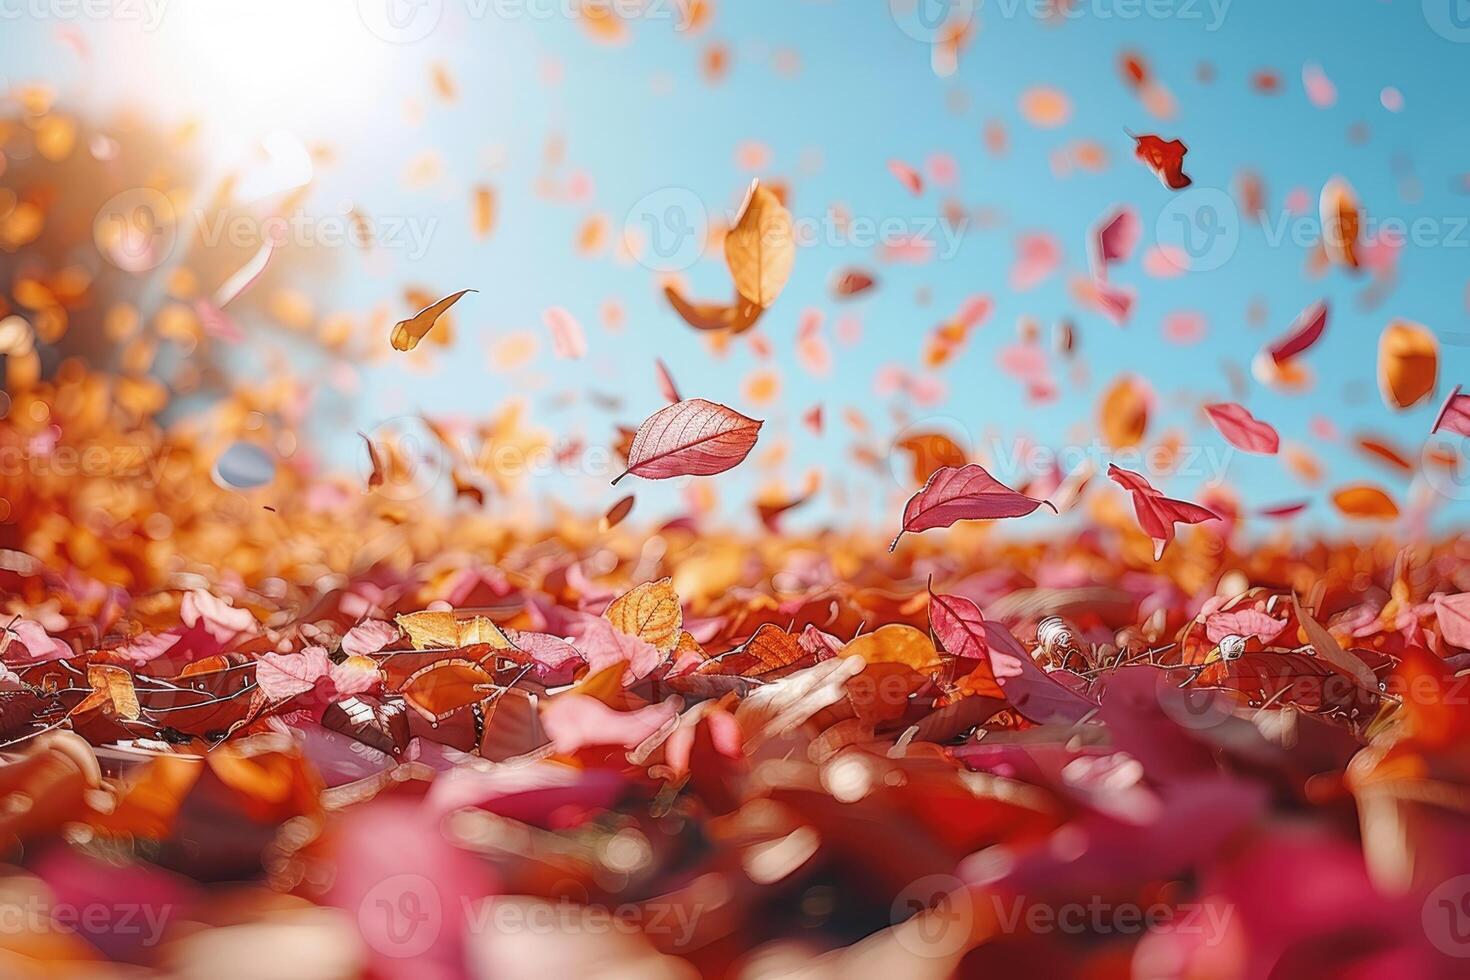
x=1365 y=501
x=482 y=211
x=567 y=339
x=666 y=386
x=1242 y=429
x=907 y=176
x=1123 y=412
x=691 y=438
x=1408 y=364
x=959 y=494
x=736 y=318
x=1341 y=223
x=761 y=249
x=1165 y=158
x=408 y=333
x=616 y=514
x=1114 y=239
x=1305 y=332
x=1156 y=513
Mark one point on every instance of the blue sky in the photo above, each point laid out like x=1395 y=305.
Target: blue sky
x=640 y=120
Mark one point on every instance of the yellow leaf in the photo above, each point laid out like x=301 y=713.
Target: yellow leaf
x=897 y=644
x=650 y=612
x=112 y=688
x=439 y=630
x=761 y=249
x=407 y=333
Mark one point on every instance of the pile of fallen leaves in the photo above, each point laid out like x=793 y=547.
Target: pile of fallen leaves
x=490 y=750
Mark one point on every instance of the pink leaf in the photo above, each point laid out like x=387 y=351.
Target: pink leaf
x=567 y=339
x=368 y=637
x=1454 y=618
x=1455 y=415
x=221 y=620
x=691 y=438
x=1037 y=257
x=665 y=380
x=960 y=494
x=1156 y=513
x=1243 y=622
x=146 y=647
x=282 y=676
x=1114 y=239
x=1243 y=430
x=38 y=645
x=907 y=176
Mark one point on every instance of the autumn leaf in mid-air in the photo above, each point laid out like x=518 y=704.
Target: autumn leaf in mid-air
x=407 y=333
x=1408 y=363
x=1305 y=332
x=691 y=438
x=1165 y=158
x=1156 y=513
x=736 y=317
x=964 y=493
x=761 y=249
x=1341 y=223
x=1242 y=429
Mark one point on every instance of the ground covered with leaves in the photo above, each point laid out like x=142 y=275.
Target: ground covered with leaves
x=665 y=751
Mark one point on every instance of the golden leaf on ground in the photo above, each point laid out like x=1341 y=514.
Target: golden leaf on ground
x=896 y=643
x=650 y=612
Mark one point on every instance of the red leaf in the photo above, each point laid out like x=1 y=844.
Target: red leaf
x=691 y=438
x=1305 y=332
x=1242 y=429
x=964 y=493
x=1165 y=158
x=1156 y=513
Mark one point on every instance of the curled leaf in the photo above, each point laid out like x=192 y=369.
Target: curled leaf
x=407 y=333
x=761 y=249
